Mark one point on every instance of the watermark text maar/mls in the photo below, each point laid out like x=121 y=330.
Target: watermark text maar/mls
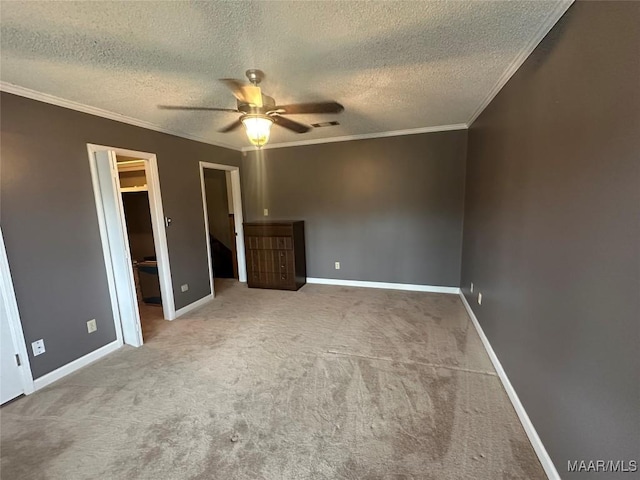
x=603 y=466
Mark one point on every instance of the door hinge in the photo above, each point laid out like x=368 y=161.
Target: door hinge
x=18 y=360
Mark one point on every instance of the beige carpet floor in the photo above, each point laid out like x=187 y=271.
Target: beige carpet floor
x=324 y=383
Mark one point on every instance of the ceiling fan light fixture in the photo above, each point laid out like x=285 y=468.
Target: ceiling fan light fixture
x=258 y=128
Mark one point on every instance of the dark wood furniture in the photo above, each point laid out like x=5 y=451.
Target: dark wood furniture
x=275 y=255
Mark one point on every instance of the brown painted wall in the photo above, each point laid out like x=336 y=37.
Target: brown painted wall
x=49 y=221
x=552 y=236
x=389 y=209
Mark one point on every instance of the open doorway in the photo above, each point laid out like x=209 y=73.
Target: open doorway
x=134 y=190
x=222 y=244
x=116 y=175
x=221 y=199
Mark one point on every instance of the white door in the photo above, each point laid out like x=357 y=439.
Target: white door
x=111 y=196
x=10 y=374
x=15 y=373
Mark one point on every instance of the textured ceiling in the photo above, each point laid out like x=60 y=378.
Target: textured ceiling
x=393 y=65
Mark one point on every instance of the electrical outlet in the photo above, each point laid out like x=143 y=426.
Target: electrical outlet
x=266 y=212
x=91 y=326
x=38 y=347
x=479 y=299
x=337 y=265
x=471 y=287
x=184 y=288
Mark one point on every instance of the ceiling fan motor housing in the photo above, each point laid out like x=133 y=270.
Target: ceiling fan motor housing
x=254 y=75
x=268 y=105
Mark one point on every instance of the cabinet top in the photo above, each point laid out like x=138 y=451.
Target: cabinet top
x=274 y=223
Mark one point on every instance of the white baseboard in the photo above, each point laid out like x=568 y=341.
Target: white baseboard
x=388 y=286
x=71 y=367
x=543 y=456
x=193 y=306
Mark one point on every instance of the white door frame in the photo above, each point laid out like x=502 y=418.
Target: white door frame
x=157 y=223
x=236 y=195
x=8 y=295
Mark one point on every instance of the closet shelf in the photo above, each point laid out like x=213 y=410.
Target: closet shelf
x=142 y=188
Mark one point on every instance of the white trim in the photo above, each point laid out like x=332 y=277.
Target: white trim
x=239 y=224
x=119 y=244
x=389 y=286
x=206 y=230
x=99 y=112
x=8 y=296
x=236 y=194
x=363 y=136
x=142 y=188
x=160 y=237
x=543 y=456
x=561 y=7
x=71 y=367
x=194 y=305
x=104 y=240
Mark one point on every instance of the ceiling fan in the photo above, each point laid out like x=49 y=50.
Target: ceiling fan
x=258 y=112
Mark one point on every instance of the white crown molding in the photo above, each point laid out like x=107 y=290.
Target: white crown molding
x=98 y=112
x=363 y=136
x=550 y=21
x=80 y=107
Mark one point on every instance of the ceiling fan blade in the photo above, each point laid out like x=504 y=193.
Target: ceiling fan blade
x=290 y=124
x=231 y=126
x=250 y=94
x=208 y=109
x=314 y=107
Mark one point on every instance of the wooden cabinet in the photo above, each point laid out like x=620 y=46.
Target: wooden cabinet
x=275 y=255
